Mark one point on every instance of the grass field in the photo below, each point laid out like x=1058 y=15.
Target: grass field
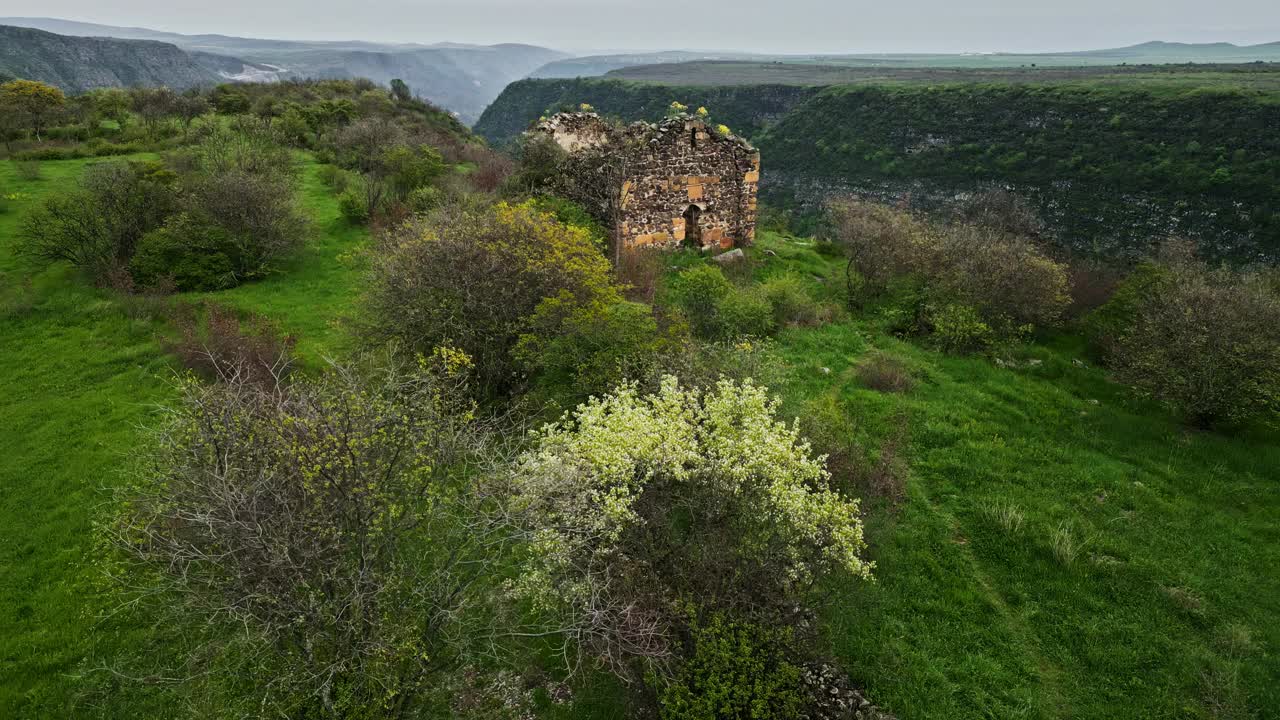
x=1252 y=78
x=81 y=373
x=1064 y=551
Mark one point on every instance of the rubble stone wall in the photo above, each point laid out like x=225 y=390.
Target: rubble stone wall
x=685 y=183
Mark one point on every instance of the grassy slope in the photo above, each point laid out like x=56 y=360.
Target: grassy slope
x=80 y=375
x=967 y=619
x=311 y=297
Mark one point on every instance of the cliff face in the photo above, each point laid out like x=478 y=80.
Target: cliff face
x=746 y=110
x=77 y=64
x=1111 y=169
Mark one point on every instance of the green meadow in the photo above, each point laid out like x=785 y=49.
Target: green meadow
x=1063 y=550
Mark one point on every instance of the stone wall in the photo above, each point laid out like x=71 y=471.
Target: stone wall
x=682 y=181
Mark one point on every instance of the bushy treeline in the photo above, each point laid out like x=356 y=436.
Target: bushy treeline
x=1201 y=339
x=217 y=213
x=219 y=207
x=967 y=285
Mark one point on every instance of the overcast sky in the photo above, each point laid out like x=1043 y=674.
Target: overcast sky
x=801 y=26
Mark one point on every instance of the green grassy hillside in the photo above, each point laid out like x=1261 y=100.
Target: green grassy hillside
x=1140 y=580
x=84 y=370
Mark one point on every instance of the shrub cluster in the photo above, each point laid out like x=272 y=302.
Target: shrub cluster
x=718 y=310
x=227 y=216
x=475 y=278
x=967 y=285
x=1203 y=341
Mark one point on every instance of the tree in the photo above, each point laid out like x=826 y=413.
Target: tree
x=154 y=105
x=637 y=505
x=473 y=278
x=110 y=104
x=34 y=103
x=98 y=226
x=320 y=536
x=189 y=106
x=400 y=90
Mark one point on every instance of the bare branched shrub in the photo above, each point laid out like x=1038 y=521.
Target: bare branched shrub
x=1092 y=283
x=314 y=532
x=885 y=373
x=28 y=170
x=215 y=342
x=1005 y=278
x=1001 y=210
x=97 y=226
x=881 y=243
x=638 y=271
x=1204 y=342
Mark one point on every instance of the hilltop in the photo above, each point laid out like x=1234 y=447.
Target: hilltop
x=77 y=64
x=461 y=78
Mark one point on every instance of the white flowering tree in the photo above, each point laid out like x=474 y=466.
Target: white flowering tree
x=639 y=506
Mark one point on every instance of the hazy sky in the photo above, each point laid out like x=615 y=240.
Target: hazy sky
x=845 y=26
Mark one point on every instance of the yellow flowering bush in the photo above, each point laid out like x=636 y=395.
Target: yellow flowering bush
x=473 y=279
x=639 y=501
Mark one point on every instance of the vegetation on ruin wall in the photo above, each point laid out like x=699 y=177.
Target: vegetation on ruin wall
x=746 y=110
x=1089 y=143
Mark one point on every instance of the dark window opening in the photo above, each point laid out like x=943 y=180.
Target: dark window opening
x=693 y=138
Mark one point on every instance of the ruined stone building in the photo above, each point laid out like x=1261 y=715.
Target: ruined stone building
x=677 y=182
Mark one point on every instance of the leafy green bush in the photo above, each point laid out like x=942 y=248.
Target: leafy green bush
x=578 y=351
x=190 y=250
x=354 y=206
x=28 y=170
x=739 y=671
x=572 y=213
x=333 y=176
x=473 y=278
x=744 y=313
x=1104 y=326
x=959 y=328
x=715 y=309
x=425 y=199
x=792 y=304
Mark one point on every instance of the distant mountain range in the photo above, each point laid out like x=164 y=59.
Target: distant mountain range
x=461 y=78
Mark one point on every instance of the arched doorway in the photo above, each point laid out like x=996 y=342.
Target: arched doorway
x=692 y=226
